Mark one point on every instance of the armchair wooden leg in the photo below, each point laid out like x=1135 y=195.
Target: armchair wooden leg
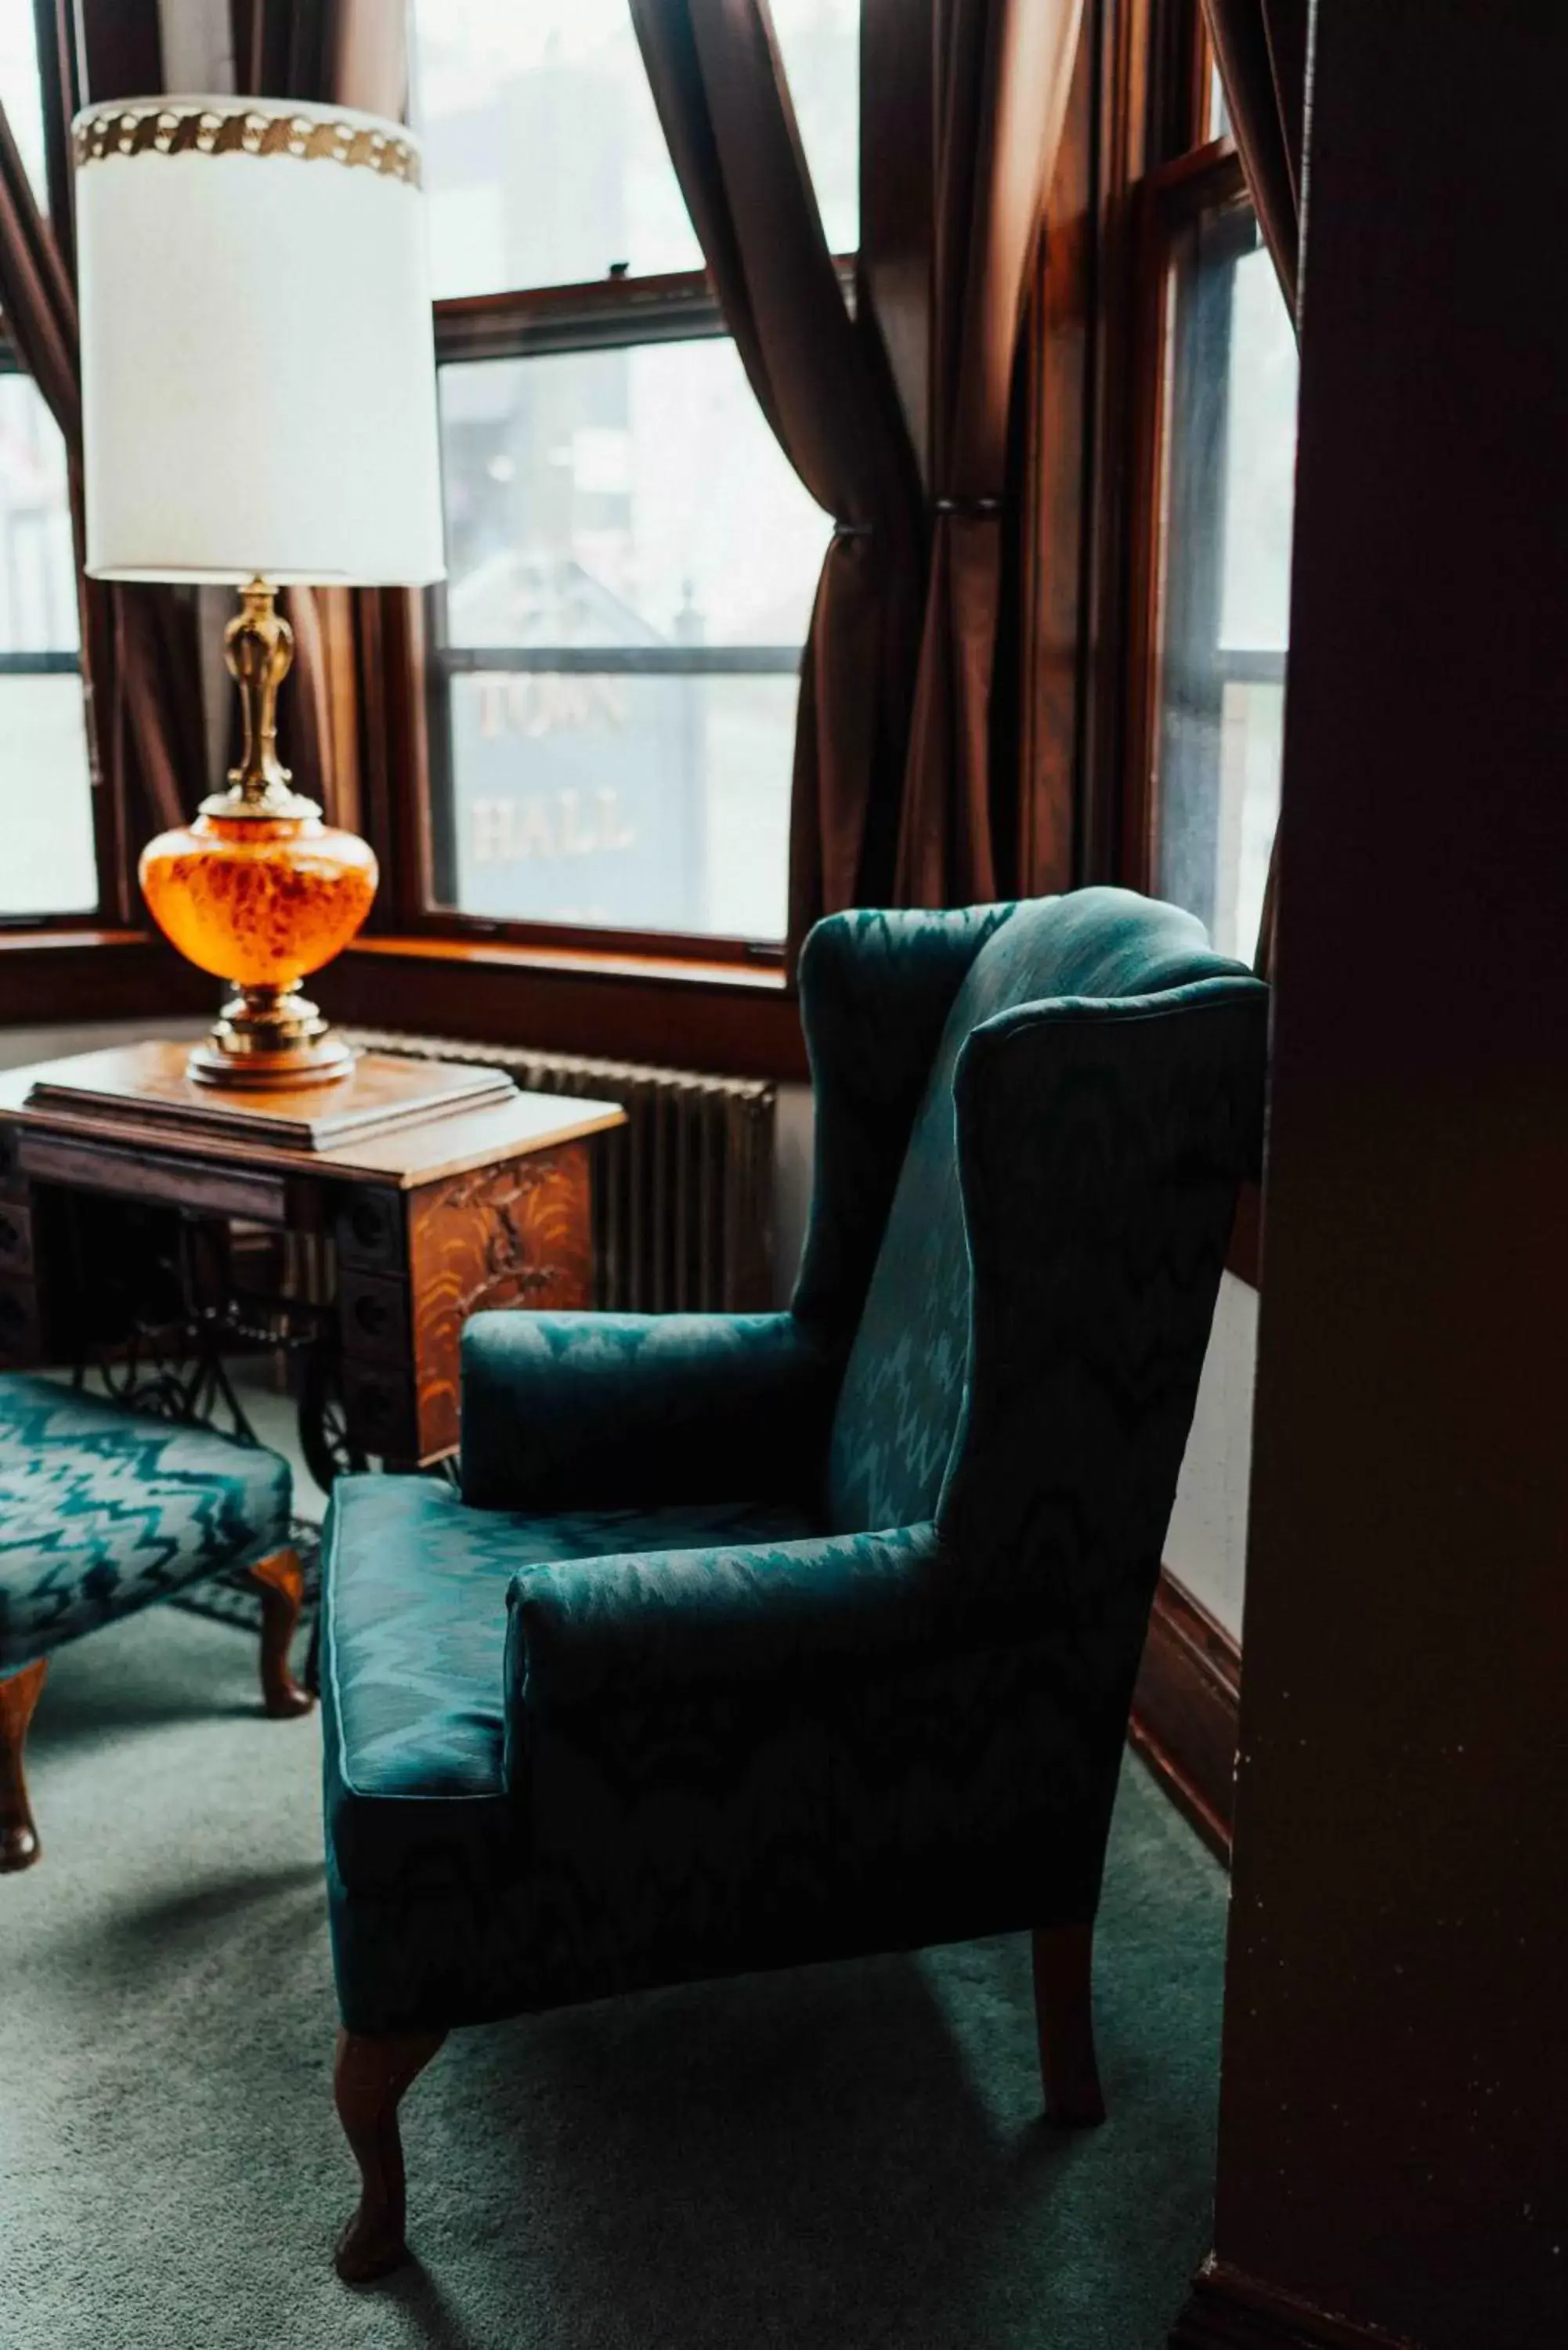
x=1064 y=2019
x=280 y=1579
x=20 y=1693
x=372 y=2071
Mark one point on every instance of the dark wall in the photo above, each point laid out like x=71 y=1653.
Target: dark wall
x=1394 y=2142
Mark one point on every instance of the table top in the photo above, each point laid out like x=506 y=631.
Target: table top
x=453 y=1141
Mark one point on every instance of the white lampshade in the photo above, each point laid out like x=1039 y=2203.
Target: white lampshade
x=258 y=364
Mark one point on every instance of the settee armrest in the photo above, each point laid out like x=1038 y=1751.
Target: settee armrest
x=637 y=1629
x=562 y=1411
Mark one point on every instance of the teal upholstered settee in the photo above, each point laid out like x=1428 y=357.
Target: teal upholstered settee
x=755 y=1641
x=104 y=1511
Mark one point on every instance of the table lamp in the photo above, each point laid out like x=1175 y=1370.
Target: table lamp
x=258 y=409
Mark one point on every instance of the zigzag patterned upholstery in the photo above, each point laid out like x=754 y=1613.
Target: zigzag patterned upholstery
x=104 y=1510
x=821 y=1626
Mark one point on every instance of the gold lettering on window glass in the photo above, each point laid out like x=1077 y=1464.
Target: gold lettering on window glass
x=547 y=827
x=535 y=704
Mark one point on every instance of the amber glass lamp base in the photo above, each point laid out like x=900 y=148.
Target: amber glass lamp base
x=258 y=891
x=260 y=901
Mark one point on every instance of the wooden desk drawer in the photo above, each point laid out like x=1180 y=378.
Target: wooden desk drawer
x=380 y=1406
x=368 y=1224
x=207 y=1185
x=15 y=1237
x=373 y=1315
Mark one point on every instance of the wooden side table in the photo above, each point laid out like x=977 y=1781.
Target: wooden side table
x=430 y=1191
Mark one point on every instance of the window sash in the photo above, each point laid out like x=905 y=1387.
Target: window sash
x=609 y=314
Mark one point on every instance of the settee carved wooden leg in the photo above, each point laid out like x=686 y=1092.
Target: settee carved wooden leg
x=372 y=2071
x=20 y=1693
x=1064 y=2019
x=280 y=1579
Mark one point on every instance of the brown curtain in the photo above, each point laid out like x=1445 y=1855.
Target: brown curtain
x=1003 y=74
x=1261 y=47
x=139 y=643
x=719 y=84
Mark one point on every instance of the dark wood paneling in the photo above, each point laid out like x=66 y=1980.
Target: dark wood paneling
x=1227 y=2310
x=1391 y=2143
x=1186 y=1708
x=734 y=1022
x=1244 y=1255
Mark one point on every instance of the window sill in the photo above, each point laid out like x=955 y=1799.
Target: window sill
x=735 y=1019
x=62 y=974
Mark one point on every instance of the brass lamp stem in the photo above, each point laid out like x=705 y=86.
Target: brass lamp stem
x=258 y=645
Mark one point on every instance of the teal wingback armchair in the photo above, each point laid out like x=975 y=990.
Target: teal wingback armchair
x=760 y=1639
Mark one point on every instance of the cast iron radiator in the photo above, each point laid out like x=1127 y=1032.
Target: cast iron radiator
x=683 y=1194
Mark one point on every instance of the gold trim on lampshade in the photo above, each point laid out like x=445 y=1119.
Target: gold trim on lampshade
x=208 y=129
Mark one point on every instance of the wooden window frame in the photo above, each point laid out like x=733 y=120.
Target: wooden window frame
x=1208 y=180
x=1154 y=164
x=89 y=922
x=609 y=314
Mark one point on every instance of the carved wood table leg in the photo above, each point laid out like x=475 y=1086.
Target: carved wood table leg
x=1064 y=2019
x=280 y=1579
x=19 y=1692
x=372 y=2071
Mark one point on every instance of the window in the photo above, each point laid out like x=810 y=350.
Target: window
x=50 y=866
x=1223 y=605
x=631 y=556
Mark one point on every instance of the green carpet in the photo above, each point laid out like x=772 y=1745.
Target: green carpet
x=839 y=2159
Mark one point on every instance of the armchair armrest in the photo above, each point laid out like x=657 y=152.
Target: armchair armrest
x=562 y=1410
x=621 y=1631
x=693 y=1737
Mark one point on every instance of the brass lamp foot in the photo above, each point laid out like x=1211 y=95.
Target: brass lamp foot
x=268 y=1038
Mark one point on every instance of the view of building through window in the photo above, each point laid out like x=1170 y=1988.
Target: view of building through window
x=46 y=798
x=627 y=511
x=1225 y=605
x=631 y=558
x=545 y=162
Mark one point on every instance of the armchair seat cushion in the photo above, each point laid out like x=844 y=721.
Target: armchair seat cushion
x=415 y=1684
x=103 y=1511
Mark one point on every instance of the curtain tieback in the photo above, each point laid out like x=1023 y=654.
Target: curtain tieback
x=854 y=530
x=968 y=509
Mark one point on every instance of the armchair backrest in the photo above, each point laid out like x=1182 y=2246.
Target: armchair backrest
x=890 y=1003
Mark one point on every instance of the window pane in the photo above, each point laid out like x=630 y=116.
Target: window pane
x=37 y=568
x=632 y=501
x=1230 y=492
x=46 y=804
x=622 y=802
x=621 y=497
x=19 y=90
x=544 y=162
x=820 y=43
